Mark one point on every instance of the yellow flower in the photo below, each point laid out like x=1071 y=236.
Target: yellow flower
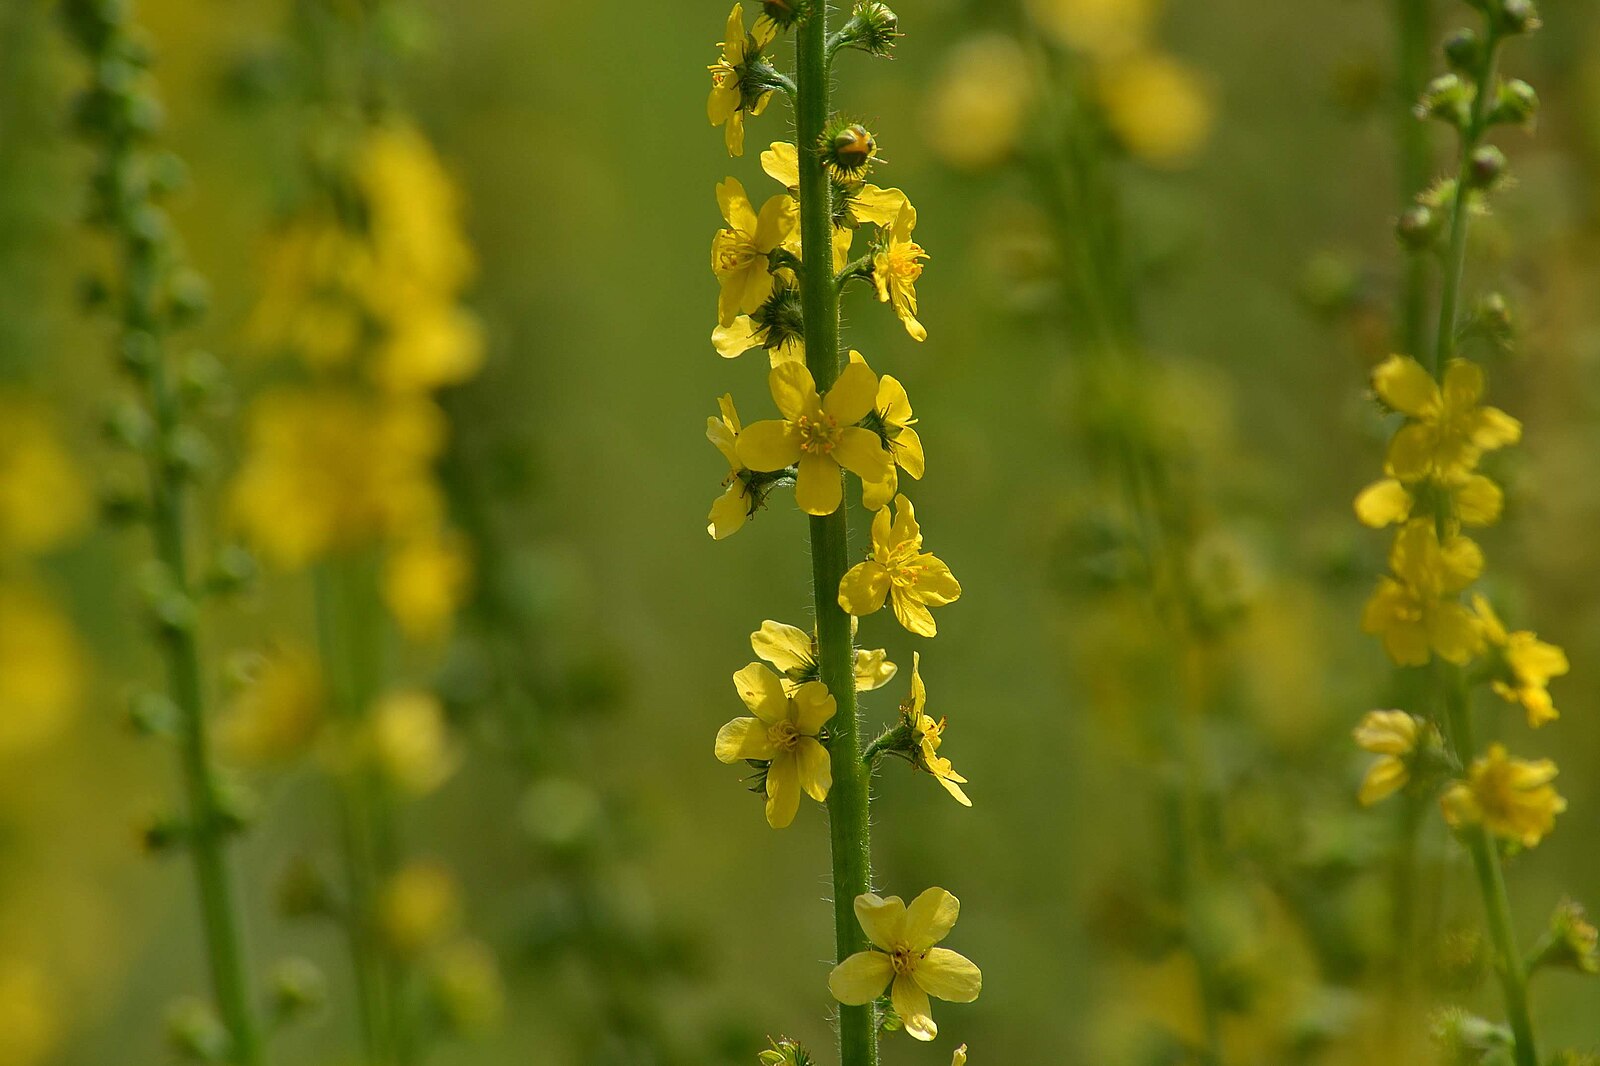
x=793 y=652
x=730 y=100
x=410 y=742
x=314 y=272
x=734 y=506
x=418 y=907
x=1526 y=666
x=425 y=580
x=911 y=579
x=981 y=104
x=855 y=202
x=896 y=268
x=1474 y=500
x=1449 y=431
x=960 y=1056
x=42 y=670
x=278 y=714
x=739 y=253
x=42 y=495
x=1101 y=28
x=428 y=345
x=903 y=953
x=1393 y=736
x=1157 y=108
x=467 y=986
x=819 y=433
x=895 y=419
x=784 y=734
x=928 y=735
x=414 y=220
x=1410 y=611
x=1511 y=798
x=328 y=469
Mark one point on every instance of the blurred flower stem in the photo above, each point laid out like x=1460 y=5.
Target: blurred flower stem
x=1087 y=213
x=116 y=117
x=350 y=630
x=848 y=800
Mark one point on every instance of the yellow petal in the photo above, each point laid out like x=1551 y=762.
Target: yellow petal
x=952 y=783
x=861 y=978
x=1384 y=778
x=863 y=588
x=782 y=164
x=936 y=585
x=905 y=530
x=1454 y=633
x=944 y=974
x=734 y=340
x=818 y=485
x=853 y=394
x=875 y=495
x=1410 y=455
x=873 y=670
x=816 y=771
x=777 y=222
x=813 y=706
x=783 y=790
x=769 y=445
x=735 y=206
x=729 y=512
x=878 y=206
x=931 y=916
x=911 y=1003
x=1403 y=384
x=744 y=738
x=913 y=615
x=861 y=452
x=1463 y=384
x=762 y=692
x=794 y=391
x=786 y=647
x=1383 y=503
x=907 y=448
x=1478 y=501
x=883 y=920
x=1495 y=429
x=733 y=134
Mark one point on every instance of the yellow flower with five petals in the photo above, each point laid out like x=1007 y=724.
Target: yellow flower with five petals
x=1449 y=429
x=739 y=253
x=819 y=433
x=783 y=732
x=730 y=101
x=896 y=268
x=1511 y=798
x=911 y=579
x=793 y=652
x=904 y=954
x=1414 y=612
x=1525 y=668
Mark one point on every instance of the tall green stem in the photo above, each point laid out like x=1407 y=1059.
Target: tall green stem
x=1456 y=257
x=848 y=800
x=1413 y=25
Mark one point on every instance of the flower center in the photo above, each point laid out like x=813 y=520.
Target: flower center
x=784 y=736
x=819 y=433
x=903 y=262
x=904 y=960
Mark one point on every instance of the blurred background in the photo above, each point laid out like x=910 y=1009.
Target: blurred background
x=587 y=884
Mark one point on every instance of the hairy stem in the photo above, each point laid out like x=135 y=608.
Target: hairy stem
x=848 y=800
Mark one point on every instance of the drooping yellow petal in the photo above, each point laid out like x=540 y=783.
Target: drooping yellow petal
x=861 y=978
x=931 y=915
x=863 y=588
x=1383 y=503
x=815 y=769
x=1384 y=778
x=735 y=206
x=729 y=512
x=734 y=340
x=880 y=207
x=782 y=164
x=911 y=1004
x=783 y=790
x=762 y=692
x=873 y=670
x=786 y=647
x=744 y=738
x=883 y=920
x=946 y=975
x=818 y=485
x=1478 y=501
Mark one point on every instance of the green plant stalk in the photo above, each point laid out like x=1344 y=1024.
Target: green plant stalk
x=1413 y=23
x=180 y=647
x=848 y=800
x=1491 y=880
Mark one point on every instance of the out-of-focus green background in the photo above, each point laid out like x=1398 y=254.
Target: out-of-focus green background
x=578 y=135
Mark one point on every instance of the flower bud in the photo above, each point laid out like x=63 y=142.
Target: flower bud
x=195 y=1031
x=298 y=988
x=1515 y=104
x=786 y=13
x=1463 y=51
x=1571 y=942
x=848 y=149
x=872 y=27
x=1486 y=167
x=1417 y=227
x=1447 y=98
x=1518 y=16
x=303 y=891
x=1464 y=1039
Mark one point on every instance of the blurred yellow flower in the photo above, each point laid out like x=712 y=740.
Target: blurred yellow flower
x=31 y=1021
x=1474 y=500
x=1393 y=736
x=896 y=266
x=729 y=101
x=43 y=499
x=1511 y=798
x=903 y=953
x=1448 y=430
x=980 y=104
x=426 y=579
x=739 y=253
x=313 y=272
x=733 y=507
x=1525 y=666
x=783 y=733
x=928 y=734
x=1157 y=107
x=410 y=742
x=900 y=571
x=1414 y=612
x=418 y=907
x=414 y=219
x=819 y=433
x=959 y=1058
x=793 y=652
x=329 y=469
x=1100 y=28
x=429 y=345
x=467 y=987
x=41 y=669
x=279 y=712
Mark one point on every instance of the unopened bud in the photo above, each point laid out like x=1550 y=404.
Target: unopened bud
x=1463 y=51
x=1515 y=104
x=1486 y=167
x=1417 y=227
x=298 y=988
x=195 y=1032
